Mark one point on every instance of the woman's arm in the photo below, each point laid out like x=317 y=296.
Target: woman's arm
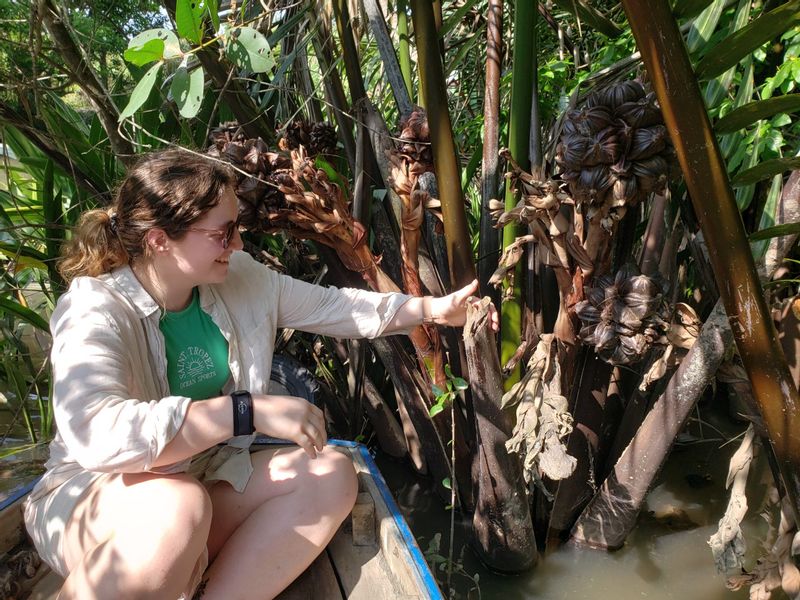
x=210 y=422
x=450 y=310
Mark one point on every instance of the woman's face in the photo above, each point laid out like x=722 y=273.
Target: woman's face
x=201 y=255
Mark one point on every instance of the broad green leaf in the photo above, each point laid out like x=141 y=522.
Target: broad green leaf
x=13 y=308
x=759 y=248
x=189 y=19
x=446 y=483
x=213 y=11
x=717 y=89
x=187 y=90
x=766 y=169
x=744 y=194
x=434 y=410
x=735 y=47
x=685 y=9
x=778 y=230
x=743 y=96
x=250 y=50
x=704 y=25
x=141 y=91
x=172 y=47
x=437 y=391
x=145 y=54
x=460 y=384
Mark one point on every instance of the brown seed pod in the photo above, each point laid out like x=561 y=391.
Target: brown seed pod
x=647 y=142
x=571 y=151
x=603 y=148
x=651 y=173
x=592 y=183
x=617 y=94
x=640 y=113
x=588 y=120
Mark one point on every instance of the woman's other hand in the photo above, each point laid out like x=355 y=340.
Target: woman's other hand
x=290 y=418
x=452 y=309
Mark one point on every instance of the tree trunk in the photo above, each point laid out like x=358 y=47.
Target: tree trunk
x=676 y=87
x=81 y=71
x=502 y=518
x=489 y=242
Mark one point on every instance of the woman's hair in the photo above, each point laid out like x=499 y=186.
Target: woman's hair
x=170 y=189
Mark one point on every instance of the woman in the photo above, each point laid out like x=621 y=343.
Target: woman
x=161 y=352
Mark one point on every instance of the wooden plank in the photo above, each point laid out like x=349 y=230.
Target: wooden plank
x=362 y=570
x=391 y=544
x=12 y=528
x=318 y=582
x=48 y=587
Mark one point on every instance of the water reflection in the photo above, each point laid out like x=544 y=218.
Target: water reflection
x=666 y=557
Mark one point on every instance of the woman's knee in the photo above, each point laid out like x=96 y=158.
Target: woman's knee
x=184 y=502
x=336 y=475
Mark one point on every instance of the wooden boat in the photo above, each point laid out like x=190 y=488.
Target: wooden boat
x=373 y=556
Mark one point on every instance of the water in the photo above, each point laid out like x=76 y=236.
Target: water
x=666 y=557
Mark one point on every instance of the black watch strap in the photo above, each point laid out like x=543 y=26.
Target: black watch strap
x=242 y=413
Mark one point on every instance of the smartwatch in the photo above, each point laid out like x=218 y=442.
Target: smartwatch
x=242 y=413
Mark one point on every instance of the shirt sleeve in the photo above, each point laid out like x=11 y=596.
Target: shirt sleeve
x=344 y=313
x=103 y=427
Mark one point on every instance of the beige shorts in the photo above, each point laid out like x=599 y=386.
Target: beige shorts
x=46 y=518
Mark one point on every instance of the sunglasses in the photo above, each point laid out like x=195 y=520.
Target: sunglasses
x=225 y=234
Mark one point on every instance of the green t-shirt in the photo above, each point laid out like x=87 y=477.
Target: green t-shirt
x=197 y=352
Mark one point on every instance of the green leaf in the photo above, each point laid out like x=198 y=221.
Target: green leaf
x=759 y=248
x=685 y=9
x=448 y=371
x=172 y=47
x=187 y=90
x=189 y=19
x=213 y=11
x=435 y=410
x=150 y=51
x=778 y=230
x=460 y=384
x=250 y=50
x=10 y=307
x=755 y=111
x=446 y=483
x=141 y=92
x=704 y=25
x=437 y=391
x=735 y=47
x=766 y=169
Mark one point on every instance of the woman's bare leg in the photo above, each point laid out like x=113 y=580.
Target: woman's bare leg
x=137 y=537
x=263 y=538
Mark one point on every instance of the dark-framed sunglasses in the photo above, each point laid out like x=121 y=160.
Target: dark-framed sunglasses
x=225 y=234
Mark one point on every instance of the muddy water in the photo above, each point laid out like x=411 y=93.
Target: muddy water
x=666 y=557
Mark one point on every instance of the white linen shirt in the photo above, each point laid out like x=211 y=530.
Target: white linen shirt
x=111 y=400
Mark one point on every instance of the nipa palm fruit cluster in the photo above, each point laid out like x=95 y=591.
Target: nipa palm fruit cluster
x=614 y=150
x=623 y=316
x=280 y=191
x=316 y=138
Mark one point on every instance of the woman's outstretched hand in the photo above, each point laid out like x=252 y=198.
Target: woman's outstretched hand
x=452 y=309
x=290 y=418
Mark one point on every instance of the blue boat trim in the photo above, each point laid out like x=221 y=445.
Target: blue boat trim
x=418 y=559
x=17 y=494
